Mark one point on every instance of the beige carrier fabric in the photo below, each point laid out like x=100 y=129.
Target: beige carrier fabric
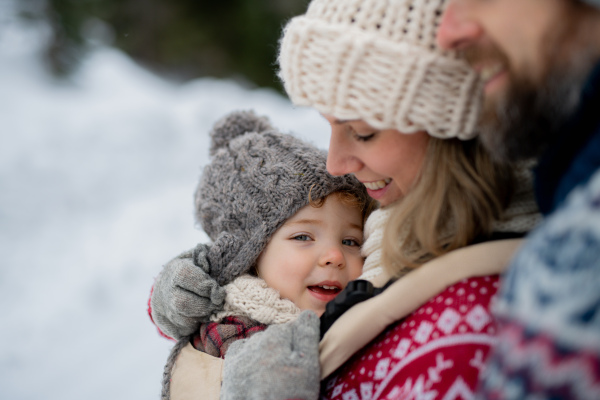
x=350 y=332
x=196 y=375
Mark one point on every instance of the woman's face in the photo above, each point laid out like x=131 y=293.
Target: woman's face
x=386 y=161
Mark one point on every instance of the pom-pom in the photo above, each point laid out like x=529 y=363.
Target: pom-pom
x=236 y=124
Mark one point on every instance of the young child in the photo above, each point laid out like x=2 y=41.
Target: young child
x=285 y=234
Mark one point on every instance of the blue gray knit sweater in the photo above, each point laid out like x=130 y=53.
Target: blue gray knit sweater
x=549 y=305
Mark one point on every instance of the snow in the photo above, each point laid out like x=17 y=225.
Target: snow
x=97 y=175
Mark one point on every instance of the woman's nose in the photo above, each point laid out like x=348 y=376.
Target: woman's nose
x=332 y=256
x=457 y=28
x=340 y=160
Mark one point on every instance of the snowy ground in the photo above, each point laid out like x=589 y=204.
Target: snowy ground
x=96 y=183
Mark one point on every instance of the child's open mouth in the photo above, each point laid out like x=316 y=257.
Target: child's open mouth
x=325 y=289
x=324 y=292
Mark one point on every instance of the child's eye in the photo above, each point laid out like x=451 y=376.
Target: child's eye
x=302 y=238
x=350 y=242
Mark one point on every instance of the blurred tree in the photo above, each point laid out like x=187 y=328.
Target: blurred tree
x=179 y=38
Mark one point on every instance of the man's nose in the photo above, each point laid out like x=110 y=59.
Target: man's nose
x=457 y=28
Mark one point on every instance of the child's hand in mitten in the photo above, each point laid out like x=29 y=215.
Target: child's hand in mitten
x=185 y=295
x=280 y=363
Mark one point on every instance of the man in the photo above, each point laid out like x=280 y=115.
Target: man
x=540 y=62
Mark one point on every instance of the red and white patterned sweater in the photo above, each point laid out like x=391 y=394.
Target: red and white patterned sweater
x=437 y=352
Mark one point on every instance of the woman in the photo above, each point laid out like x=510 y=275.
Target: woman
x=400 y=112
x=398 y=109
x=396 y=105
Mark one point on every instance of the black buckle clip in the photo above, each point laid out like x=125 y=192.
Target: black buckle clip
x=354 y=293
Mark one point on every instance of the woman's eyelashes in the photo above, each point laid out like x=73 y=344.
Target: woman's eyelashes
x=361 y=136
x=364 y=138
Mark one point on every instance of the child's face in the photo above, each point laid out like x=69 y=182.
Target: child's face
x=314 y=255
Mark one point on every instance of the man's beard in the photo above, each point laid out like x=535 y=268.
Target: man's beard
x=522 y=122
x=525 y=120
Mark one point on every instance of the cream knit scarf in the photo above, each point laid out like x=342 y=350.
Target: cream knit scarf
x=521 y=215
x=371 y=248
x=250 y=296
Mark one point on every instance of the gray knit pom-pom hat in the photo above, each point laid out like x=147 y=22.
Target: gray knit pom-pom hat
x=256 y=180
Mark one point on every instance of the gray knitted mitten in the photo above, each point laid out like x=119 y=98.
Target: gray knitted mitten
x=280 y=363
x=185 y=295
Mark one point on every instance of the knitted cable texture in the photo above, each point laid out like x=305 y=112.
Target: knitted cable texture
x=377 y=60
x=251 y=297
x=371 y=248
x=257 y=178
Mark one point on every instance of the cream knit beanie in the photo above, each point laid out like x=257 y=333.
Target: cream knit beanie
x=377 y=60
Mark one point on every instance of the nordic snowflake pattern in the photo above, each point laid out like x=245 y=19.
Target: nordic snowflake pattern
x=437 y=352
x=553 y=286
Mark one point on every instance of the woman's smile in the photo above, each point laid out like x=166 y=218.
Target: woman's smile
x=378 y=189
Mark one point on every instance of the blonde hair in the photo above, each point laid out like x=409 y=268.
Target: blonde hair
x=459 y=194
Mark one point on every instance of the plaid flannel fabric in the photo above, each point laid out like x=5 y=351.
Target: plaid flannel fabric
x=214 y=338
